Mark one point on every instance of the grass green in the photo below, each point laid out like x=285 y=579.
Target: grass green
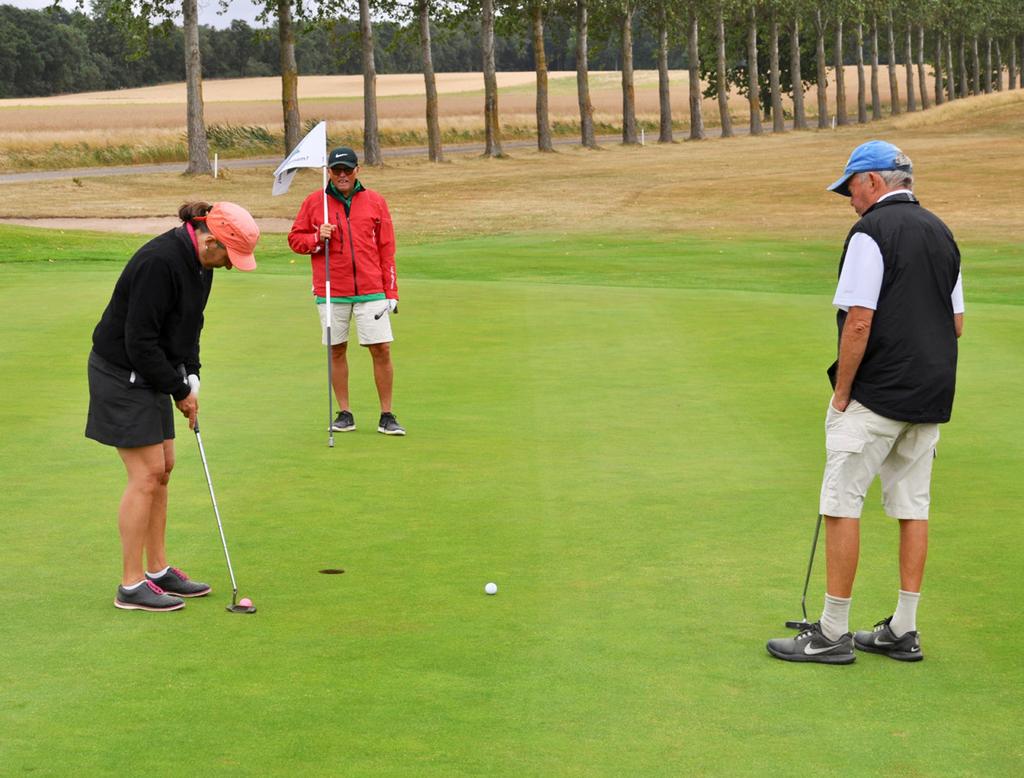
x=623 y=432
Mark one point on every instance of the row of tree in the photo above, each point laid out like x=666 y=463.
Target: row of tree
x=61 y=52
x=963 y=42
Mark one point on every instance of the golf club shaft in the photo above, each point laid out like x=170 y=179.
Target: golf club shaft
x=216 y=512
x=810 y=565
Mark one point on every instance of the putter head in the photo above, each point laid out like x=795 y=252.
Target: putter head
x=241 y=609
x=800 y=625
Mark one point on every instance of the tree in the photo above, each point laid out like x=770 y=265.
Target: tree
x=774 y=69
x=894 y=87
x=371 y=135
x=921 y=77
x=289 y=76
x=909 y=66
x=753 y=80
x=799 y=115
x=139 y=24
x=841 y=118
x=536 y=11
x=696 y=95
x=722 y=78
x=492 y=127
x=862 y=101
x=876 y=97
x=435 y=151
x=587 y=136
x=820 y=26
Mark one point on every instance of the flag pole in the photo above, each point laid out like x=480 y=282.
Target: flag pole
x=327 y=283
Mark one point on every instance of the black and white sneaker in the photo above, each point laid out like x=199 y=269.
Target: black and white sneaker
x=175 y=582
x=148 y=597
x=811 y=645
x=882 y=640
x=343 y=422
x=389 y=425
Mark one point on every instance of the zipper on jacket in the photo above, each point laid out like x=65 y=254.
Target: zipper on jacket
x=352 y=248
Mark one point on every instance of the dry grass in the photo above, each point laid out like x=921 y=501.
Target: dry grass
x=772 y=185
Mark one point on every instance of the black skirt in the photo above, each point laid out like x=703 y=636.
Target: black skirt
x=123 y=411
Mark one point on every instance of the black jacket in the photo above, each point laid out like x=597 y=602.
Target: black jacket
x=154 y=317
x=909 y=368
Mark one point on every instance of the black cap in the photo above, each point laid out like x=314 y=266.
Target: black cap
x=342 y=157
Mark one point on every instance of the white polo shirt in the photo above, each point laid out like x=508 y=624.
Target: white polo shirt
x=861 y=278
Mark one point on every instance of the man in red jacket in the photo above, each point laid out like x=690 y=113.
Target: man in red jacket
x=363 y=281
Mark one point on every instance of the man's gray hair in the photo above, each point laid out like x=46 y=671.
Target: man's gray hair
x=895 y=179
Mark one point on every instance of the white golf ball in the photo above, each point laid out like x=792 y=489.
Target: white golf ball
x=491 y=588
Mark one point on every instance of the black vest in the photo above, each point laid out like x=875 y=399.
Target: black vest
x=909 y=368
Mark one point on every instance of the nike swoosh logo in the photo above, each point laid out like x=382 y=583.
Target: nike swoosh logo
x=809 y=650
x=884 y=643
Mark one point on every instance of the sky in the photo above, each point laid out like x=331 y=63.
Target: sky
x=238 y=9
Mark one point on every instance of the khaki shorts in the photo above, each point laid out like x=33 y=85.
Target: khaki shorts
x=368 y=329
x=860 y=445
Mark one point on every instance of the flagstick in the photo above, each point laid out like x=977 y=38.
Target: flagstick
x=327 y=277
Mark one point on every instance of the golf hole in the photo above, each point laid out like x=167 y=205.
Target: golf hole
x=332 y=571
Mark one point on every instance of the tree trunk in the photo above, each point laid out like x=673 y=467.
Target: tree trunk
x=492 y=127
x=629 y=129
x=987 y=83
x=435 y=150
x=198 y=148
x=799 y=117
x=753 y=78
x=950 y=72
x=939 y=95
x=721 y=78
x=876 y=96
x=696 y=98
x=587 y=137
x=819 y=25
x=909 y=67
x=540 y=63
x=778 y=118
x=998 y=72
x=664 y=96
x=289 y=76
x=976 y=75
x=965 y=81
x=862 y=97
x=922 y=79
x=371 y=138
x=1013 y=63
x=894 y=87
x=840 y=76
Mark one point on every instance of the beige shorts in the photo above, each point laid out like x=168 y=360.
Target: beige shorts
x=368 y=329
x=860 y=445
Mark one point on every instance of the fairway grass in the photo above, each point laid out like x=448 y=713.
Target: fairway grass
x=623 y=431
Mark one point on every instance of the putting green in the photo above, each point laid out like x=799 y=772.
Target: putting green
x=624 y=434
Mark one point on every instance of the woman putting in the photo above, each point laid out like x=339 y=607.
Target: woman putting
x=145 y=352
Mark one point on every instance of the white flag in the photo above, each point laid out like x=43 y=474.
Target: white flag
x=310 y=152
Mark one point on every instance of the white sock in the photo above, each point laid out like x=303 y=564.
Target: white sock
x=835 y=618
x=158 y=574
x=134 y=585
x=905 y=618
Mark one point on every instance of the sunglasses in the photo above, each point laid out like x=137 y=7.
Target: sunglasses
x=346 y=170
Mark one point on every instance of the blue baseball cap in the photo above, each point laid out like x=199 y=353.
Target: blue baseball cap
x=869 y=157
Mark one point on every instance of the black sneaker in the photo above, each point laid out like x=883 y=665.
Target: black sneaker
x=811 y=645
x=177 y=583
x=148 y=597
x=389 y=425
x=345 y=422
x=881 y=640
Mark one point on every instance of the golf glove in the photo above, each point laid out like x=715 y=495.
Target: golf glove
x=392 y=306
x=193 y=383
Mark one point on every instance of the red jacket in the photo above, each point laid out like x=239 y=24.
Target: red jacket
x=362 y=248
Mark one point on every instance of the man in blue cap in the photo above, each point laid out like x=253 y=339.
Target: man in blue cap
x=899 y=308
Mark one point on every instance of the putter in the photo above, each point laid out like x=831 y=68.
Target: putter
x=233 y=607
x=805 y=623
x=378 y=315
